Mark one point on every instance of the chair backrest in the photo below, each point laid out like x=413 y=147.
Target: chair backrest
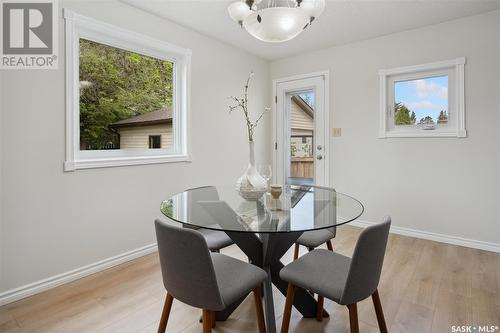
x=333 y=210
x=195 y=195
x=366 y=263
x=186 y=266
x=330 y=210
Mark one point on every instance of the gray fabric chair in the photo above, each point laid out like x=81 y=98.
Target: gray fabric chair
x=216 y=240
x=339 y=278
x=313 y=239
x=205 y=280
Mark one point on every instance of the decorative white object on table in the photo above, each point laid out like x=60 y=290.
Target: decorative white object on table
x=251 y=185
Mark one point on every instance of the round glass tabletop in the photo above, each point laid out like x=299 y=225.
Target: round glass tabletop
x=298 y=208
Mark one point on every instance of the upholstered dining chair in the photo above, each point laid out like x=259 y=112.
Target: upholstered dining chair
x=216 y=240
x=209 y=281
x=339 y=278
x=313 y=239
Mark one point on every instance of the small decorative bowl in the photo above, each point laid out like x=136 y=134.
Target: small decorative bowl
x=276 y=191
x=253 y=194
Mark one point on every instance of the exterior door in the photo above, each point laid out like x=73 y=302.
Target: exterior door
x=301 y=130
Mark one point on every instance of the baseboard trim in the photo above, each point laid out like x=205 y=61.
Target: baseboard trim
x=16 y=294
x=454 y=240
x=31 y=289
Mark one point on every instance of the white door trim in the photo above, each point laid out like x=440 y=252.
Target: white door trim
x=328 y=147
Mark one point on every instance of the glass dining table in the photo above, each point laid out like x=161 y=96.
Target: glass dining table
x=264 y=228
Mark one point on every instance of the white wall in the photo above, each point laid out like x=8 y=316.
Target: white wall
x=57 y=221
x=1 y=180
x=442 y=185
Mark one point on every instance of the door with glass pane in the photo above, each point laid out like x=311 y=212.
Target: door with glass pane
x=301 y=148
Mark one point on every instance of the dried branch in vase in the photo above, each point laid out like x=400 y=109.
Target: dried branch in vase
x=242 y=103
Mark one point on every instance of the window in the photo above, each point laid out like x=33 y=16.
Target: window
x=123 y=96
x=127 y=97
x=154 y=141
x=423 y=100
x=308 y=97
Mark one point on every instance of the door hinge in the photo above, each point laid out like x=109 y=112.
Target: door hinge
x=276 y=99
x=275 y=146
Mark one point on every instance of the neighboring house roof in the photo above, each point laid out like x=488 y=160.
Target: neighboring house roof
x=303 y=105
x=161 y=116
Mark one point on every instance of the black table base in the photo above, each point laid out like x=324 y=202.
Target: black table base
x=265 y=252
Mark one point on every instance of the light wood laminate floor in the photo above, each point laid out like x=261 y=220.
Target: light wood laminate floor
x=425 y=287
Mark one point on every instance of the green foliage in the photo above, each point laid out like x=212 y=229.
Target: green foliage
x=293 y=149
x=116 y=84
x=443 y=117
x=402 y=115
x=427 y=120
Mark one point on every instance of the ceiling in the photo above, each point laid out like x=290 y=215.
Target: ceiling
x=342 y=22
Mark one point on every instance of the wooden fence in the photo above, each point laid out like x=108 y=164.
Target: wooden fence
x=302 y=167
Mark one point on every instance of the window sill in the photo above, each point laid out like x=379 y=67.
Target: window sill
x=123 y=161
x=424 y=134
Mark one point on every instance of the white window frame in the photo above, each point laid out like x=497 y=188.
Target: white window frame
x=454 y=68
x=78 y=26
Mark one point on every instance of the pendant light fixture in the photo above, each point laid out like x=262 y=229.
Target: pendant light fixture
x=275 y=20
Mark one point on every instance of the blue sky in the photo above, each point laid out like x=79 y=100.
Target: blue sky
x=308 y=97
x=426 y=97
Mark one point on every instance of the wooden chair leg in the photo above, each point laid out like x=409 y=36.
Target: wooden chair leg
x=296 y=251
x=214 y=321
x=165 y=313
x=290 y=293
x=353 y=317
x=380 y=313
x=207 y=321
x=258 y=307
x=319 y=308
x=329 y=245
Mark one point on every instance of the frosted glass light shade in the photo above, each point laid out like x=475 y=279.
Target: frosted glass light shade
x=313 y=8
x=277 y=24
x=238 y=11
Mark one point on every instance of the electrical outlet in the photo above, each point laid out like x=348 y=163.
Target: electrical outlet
x=336 y=132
